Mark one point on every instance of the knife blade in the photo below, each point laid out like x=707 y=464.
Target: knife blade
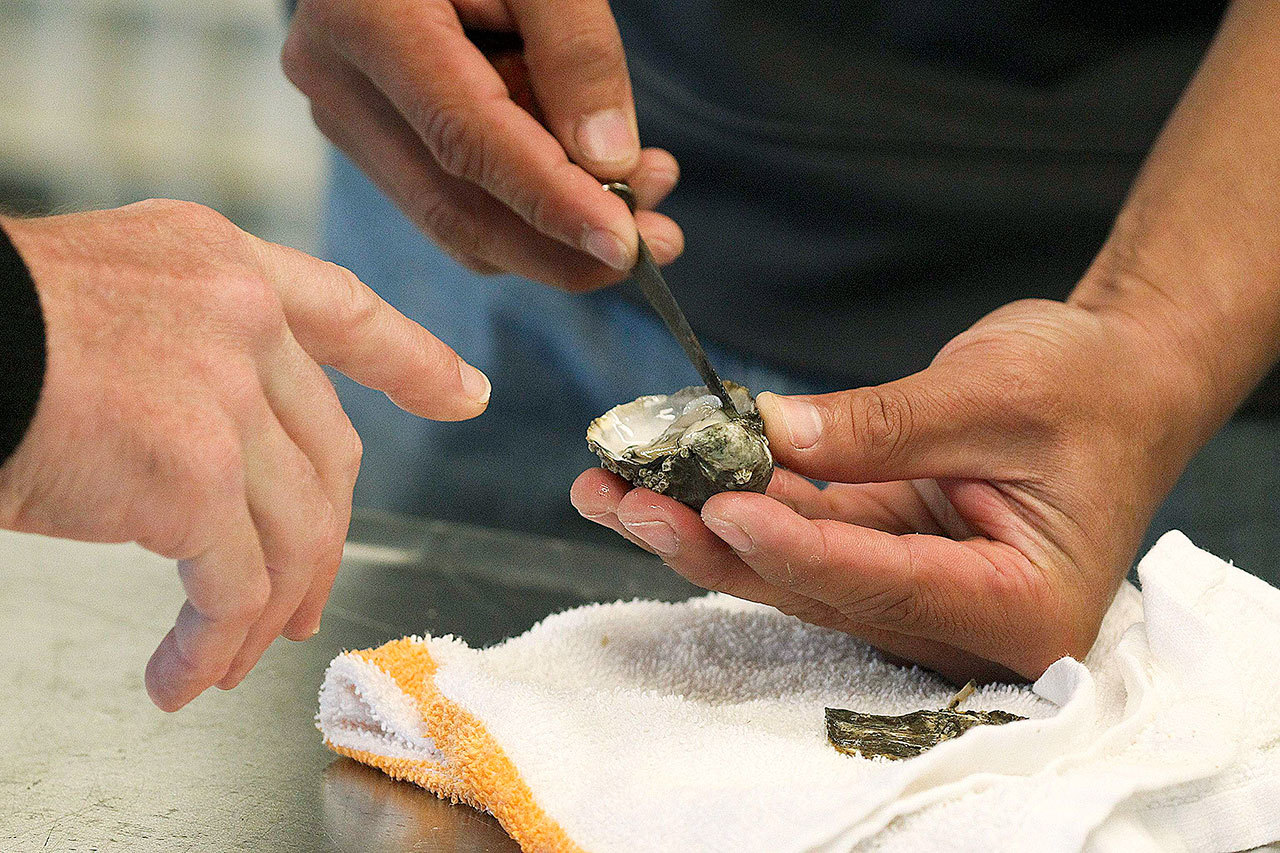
x=646 y=275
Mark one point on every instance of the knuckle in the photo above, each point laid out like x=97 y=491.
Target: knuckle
x=478 y=266
x=452 y=136
x=211 y=227
x=153 y=207
x=242 y=608
x=881 y=421
x=236 y=390
x=1024 y=356
x=206 y=463
x=294 y=551
x=894 y=609
x=173 y=206
x=249 y=302
x=535 y=208
x=332 y=534
x=586 y=277
x=808 y=610
x=353 y=448
x=310 y=551
x=328 y=526
x=1033 y=394
x=173 y=536
x=195 y=665
x=204 y=218
x=589 y=53
x=325 y=122
x=436 y=215
x=296 y=60
x=894 y=605
x=360 y=308
x=325 y=16
x=216 y=474
x=252 y=600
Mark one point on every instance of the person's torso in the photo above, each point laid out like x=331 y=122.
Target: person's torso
x=863 y=180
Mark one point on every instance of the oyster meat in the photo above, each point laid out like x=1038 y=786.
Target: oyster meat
x=684 y=444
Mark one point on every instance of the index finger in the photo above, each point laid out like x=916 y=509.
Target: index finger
x=704 y=559
x=459 y=107
x=341 y=322
x=979 y=595
x=578 y=71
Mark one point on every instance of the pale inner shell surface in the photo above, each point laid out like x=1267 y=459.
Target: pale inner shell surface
x=652 y=426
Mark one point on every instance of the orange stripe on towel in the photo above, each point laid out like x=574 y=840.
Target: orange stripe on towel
x=479 y=772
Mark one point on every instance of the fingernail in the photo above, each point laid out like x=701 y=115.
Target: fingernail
x=607 y=137
x=606 y=247
x=316 y=629
x=658 y=535
x=733 y=535
x=802 y=419
x=474 y=383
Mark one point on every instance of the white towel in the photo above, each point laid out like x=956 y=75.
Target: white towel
x=645 y=726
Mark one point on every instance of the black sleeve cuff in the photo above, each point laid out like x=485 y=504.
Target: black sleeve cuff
x=22 y=361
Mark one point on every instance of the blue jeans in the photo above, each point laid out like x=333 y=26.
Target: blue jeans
x=556 y=361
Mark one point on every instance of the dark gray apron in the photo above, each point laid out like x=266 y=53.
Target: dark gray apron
x=864 y=180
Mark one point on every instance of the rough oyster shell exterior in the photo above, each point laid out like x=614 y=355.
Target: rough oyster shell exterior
x=713 y=454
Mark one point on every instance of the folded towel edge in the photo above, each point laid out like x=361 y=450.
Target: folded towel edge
x=479 y=772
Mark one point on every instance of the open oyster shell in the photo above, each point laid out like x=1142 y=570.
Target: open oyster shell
x=684 y=444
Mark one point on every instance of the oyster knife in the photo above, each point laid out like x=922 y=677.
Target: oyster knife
x=646 y=274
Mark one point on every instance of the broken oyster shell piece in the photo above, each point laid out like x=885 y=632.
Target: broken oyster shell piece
x=685 y=445
x=908 y=735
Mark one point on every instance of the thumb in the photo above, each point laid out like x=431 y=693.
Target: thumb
x=578 y=72
x=913 y=428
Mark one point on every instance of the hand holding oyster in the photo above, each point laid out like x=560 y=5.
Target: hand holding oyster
x=685 y=445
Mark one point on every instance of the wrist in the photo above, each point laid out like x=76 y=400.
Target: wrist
x=1196 y=363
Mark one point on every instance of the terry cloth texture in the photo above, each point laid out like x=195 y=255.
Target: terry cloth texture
x=646 y=726
x=23 y=360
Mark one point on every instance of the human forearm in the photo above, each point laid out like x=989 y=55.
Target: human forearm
x=1192 y=266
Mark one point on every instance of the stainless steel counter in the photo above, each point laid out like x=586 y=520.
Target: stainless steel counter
x=89 y=764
